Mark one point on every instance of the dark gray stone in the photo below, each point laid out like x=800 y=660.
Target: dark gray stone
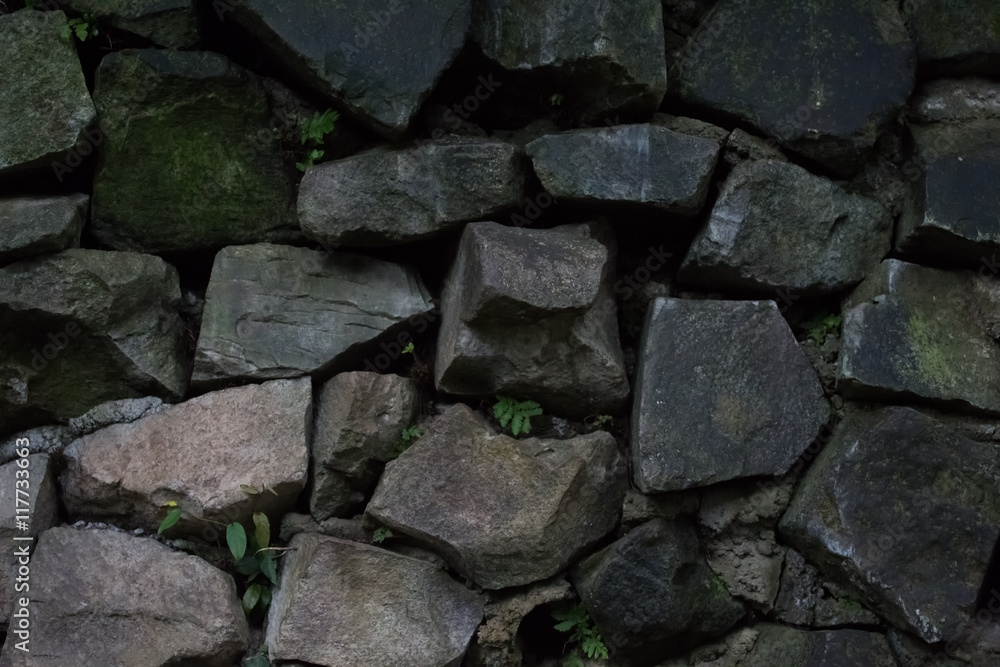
x=644 y=165
x=791 y=647
x=40 y=225
x=387 y=197
x=912 y=332
x=344 y=604
x=723 y=391
x=360 y=419
x=821 y=77
x=808 y=599
x=608 y=56
x=168 y=23
x=502 y=512
x=100 y=597
x=83 y=327
x=651 y=594
x=778 y=228
x=906 y=510
x=955 y=101
x=212 y=171
x=378 y=60
x=276 y=311
x=529 y=313
x=951 y=215
x=44 y=102
x=956 y=36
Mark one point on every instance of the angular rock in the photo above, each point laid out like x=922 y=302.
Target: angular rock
x=502 y=512
x=378 y=60
x=652 y=595
x=198 y=454
x=529 y=313
x=124 y=411
x=41 y=440
x=360 y=418
x=647 y=166
x=100 y=597
x=795 y=69
x=778 y=228
x=388 y=197
x=639 y=508
x=276 y=311
x=956 y=37
x=722 y=391
x=497 y=642
x=168 y=23
x=40 y=225
x=84 y=327
x=749 y=562
x=808 y=599
x=213 y=173
x=345 y=529
x=906 y=510
x=44 y=100
x=34 y=502
x=951 y=214
x=916 y=333
x=790 y=647
x=343 y=604
x=608 y=57
x=955 y=101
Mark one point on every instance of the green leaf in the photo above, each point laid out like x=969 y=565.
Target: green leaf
x=248 y=565
x=81 y=32
x=236 y=538
x=594 y=647
x=249 y=490
x=573 y=660
x=515 y=426
x=265 y=595
x=381 y=535
x=408 y=349
x=257 y=660
x=271 y=489
x=251 y=598
x=173 y=516
x=565 y=626
x=269 y=567
x=65 y=32
x=263 y=529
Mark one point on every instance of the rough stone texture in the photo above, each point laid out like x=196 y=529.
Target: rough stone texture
x=502 y=512
x=41 y=440
x=100 y=597
x=906 y=510
x=497 y=643
x=529 y=313
x=608 y=57
x=40 y=225
x=911 y=332
x=955 y=101
x=790 y=647
x=821 y=77
x=730 y=651
x=197 y=454
x=639 y=508
x=652 y=595
x=344 y=529
x=84 y=327
x=388 y=197
x=213 y=173
x=45 y=105
x=343 y=604
x=167 y=23
x=360 y=418
x=643 y=165
x=951 y=214
x=379 y=60
x=748 y=503
x=808 y=599
x=276 y=311
x=39 y=508
x=959 y=37
x=776 y=227
x=124 y=411
x=749 y=562
x=722 y=391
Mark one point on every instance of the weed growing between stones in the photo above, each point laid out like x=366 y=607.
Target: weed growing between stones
x=822 y=326
x=515 y=413
x=83 y=28
x=314 y=130
x=407 y=438
x=253 y=554
x=381 y=535
x=587 y=641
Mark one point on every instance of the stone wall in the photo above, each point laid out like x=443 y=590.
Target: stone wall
x=428 y=333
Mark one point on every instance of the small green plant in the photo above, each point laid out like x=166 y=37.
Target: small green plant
x=83 y=28
x=259 y=659
x=516 y=413
x=314 y=130
x=556 y=100
x=406 y=438
x=408 y=349
x=821 y=326
x=381 y=535
x=600 y=420
x=586 y=640
x=253 y=554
